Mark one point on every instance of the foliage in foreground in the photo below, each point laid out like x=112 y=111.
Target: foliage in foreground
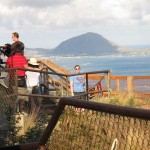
x=33 y=133
x=125 y=100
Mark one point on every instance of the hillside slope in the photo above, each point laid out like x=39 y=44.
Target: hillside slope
x=85 y=44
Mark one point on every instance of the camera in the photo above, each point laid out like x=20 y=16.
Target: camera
x=6 y=49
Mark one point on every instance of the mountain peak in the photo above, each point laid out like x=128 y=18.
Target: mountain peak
x=86 y=44
x=91 y=33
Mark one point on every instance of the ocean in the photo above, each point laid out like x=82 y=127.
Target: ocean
x=118 y=65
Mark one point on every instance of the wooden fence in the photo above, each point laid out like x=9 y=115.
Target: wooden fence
x=130 y=84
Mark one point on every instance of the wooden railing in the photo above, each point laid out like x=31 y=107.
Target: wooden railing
x=115 y=80
x=130 y=84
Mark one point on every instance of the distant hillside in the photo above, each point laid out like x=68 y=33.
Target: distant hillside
x=37 y=52
x=85 y=44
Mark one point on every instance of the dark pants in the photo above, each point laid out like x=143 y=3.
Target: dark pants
x=80 y=93
x=21 y=81
x=80 y=97
x=35 y=102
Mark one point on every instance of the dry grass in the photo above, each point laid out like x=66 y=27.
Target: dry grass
x=124 y=100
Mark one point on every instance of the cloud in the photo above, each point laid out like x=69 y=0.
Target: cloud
x=69 y=13
x=45 y=16
x=35 y=3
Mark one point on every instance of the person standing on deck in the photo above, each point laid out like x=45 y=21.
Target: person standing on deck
x=9 y=49
x=77 y=83
x=15 y=38
x=34 y=82
x=17 y=60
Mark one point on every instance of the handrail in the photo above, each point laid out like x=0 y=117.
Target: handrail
x=48 y=96
x=65 y=75
x=91 y=72
x=94 y=76
x=46 y=72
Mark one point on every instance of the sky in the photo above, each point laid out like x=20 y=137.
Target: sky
x=46 y=23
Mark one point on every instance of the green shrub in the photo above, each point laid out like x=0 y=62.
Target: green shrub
x=114 y=100
x=35 y=132
x=131 y=102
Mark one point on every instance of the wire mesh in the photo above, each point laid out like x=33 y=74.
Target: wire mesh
x=8 y=91
x=92 y=129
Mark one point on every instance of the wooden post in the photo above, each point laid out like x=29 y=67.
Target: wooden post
x=87 y=86
x=130 y=88
x=16 y=82
x=61 y=89
x=118 y=85
x=47 y=77
x=67 y=91
x=108 y=83
x=15 y=87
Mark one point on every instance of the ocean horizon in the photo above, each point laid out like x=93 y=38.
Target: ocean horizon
x=132 y=63
x=118 y=65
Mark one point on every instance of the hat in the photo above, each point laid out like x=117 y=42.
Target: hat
x=33 y=61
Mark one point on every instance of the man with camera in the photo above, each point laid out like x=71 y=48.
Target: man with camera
x=9 y=49
x=15 y=37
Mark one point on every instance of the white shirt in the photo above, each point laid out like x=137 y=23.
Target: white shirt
x=33 y=78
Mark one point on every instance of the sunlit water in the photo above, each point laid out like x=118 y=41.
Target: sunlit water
x=118 y=65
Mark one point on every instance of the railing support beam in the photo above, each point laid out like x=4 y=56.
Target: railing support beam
x=130 y=87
